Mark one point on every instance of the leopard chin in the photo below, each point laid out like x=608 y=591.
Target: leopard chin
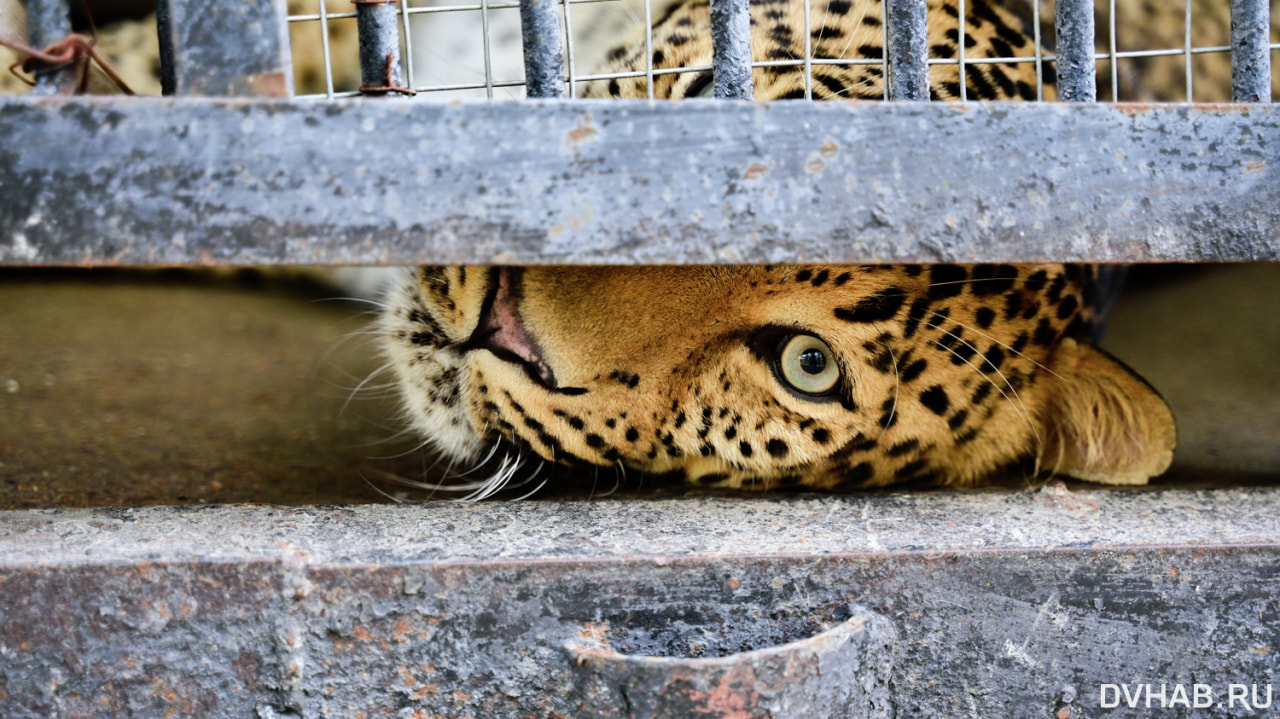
x=822 y=376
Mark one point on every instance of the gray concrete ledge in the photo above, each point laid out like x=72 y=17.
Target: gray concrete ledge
x=157 y=181
x=982 y=604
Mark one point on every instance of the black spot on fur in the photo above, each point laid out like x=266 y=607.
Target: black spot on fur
x=985 y=316
x=730 y=432
x=958 y=419
x=946 y=281
x=803 y=275
x=745 y=448
x=961 y=353
x=859 y=473
x=842 y=278
x=838 y=7
x=903 y=447
x=777 y=448
x=1036 y=282
x=883 y=362
x=994 y=358
x=913 y=371
x=877 y=308
x=1020 y=343
x=914 y=316
x=1068 y=307
x=979 y=86
x=942 y=50
x=595 y=440
x=1059 y=284
x=981 y=393
x=821 y=436
x=935 y=399
x=632 y=435
x=993 y=279
x=1012 y=305
x=1045 y=334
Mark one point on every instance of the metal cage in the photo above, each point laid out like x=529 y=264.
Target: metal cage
x=972 y=604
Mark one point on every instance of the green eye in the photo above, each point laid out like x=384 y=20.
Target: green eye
x=808 y=365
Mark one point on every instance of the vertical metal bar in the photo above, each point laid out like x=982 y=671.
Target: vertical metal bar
x=324 y=49
x=1035 y=22
x=964 y=91
x=568 y=39
x=543 y=48
x=648 y=45
x=488 y=53
x=408 y=42
x=1250 y=51
x=808 y=51
x=731 y=49
x=884 y=58
x=1077 y=70
x=908 y=53
x=48 y=22
x=224 y=49
x=379 y=46
x=1186 y=54
x=1115 y=66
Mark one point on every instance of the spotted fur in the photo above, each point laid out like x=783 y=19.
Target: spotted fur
x=947 y=373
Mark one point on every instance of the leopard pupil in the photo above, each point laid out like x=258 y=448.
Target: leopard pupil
x=813 y=361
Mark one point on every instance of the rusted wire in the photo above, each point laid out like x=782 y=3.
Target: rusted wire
x=74 y=48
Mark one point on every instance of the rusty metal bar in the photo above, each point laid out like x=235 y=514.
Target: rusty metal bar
x=378 y=25
x=988 y=601
x=731 y=49
x=1077 y=71
x=224 y=49
x=48 y=21
x=543 y=48
x=908 y=49
x=1250 y=51
x=135 y=181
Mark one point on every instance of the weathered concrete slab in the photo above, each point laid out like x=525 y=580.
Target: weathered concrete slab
x=996 y=603
x=137 y=181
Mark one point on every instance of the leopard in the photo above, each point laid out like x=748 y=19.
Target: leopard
x=805 y=376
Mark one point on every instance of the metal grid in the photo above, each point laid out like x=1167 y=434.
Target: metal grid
x=1125 y=59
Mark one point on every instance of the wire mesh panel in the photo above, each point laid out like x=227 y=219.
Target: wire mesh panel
x=1152 y=50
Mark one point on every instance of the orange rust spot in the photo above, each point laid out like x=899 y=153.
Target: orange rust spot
x=829 y=149
x=582 y=131
x=1173 y=572
x=402 y=630
x=1064 y=713
x=269 y=84
x=1255 y=166
x=756 y=170
x=814 y=165
x=733 y=584
x=1135 y=108
x=362 y=633
x=1262 y=650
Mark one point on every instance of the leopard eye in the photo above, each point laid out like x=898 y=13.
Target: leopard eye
x=808 y=365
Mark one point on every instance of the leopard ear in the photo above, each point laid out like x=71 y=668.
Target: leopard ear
x=1103 y=423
